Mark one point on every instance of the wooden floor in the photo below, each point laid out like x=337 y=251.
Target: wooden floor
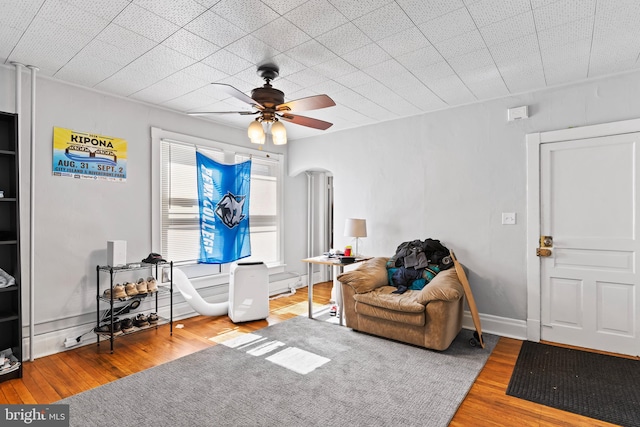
x=51 y=378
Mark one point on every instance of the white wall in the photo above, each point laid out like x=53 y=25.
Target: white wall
x=450 y=174
x=75 y=218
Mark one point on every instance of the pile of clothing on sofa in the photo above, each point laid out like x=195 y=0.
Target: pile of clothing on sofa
x=416 y=263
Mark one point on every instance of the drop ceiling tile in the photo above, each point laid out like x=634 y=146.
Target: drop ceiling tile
x=247 y=14
x=561 y=12
x=10 y=36
x=452 y=90
x=422 y=98
x=311 y=53
x=19 y=13
x=485 y=82
x=366 y=56
x=68 y=16
x=145 y=23
x=283 y=6
x=386 y=70
x=207 y=3
x=214 y=28
x=192 y=101
x=433 y=72
x=421 y=11
x=281 y=35
x=179 y=12
x=252 y=49
x=227 y=62
x=334 y=68
x=104 y=9
x=402 y=80
x=349 y=98
x=421 y=58
x=163 y=60
x=287 y=86
x=189 y=80
x=459 y=45
x=507 y=29
x=202 y=72
x=87 y=69
x=357 y=78
x=471 y=61
x=447 y=26
x=302 y=93
x=535 y=4
x=122 y=45
x=515 y=48
x=189 y=44
x=567 y=33
x=160 y=92
x=523 y=74
x=355 y=9
x=287 y=65
x=344 y=39
x=251 y=77
x=306 y=78
x=404 y=42
x=329 y=87
x=48 y=48
x=316 y=17
x=383 y=22
x=486 y=12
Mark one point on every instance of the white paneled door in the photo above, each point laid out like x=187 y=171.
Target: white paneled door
x=589 y=280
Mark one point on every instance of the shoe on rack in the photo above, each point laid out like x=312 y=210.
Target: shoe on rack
x=131 y=289
x=127 y=324
x=118 y=293
x=142 y=286
x=105 y=328
x=153 y=318
x=152 y=285
x=141 y=321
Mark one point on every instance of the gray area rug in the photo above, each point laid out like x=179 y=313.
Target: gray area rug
x=369 y=381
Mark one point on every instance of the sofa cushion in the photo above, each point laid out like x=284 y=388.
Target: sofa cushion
x=384 y=298
x=370 y=275
x=391 y=316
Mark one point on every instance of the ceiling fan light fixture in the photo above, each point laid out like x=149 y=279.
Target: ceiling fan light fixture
x=256 y=132
x=278 y=133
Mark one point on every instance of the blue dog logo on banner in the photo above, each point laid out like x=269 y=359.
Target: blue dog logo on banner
x=229 y=210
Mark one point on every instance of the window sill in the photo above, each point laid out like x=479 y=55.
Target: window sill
x=197 y=274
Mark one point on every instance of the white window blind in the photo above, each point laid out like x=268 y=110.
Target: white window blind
x=180 y=235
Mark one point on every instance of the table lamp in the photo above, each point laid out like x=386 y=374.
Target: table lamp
x=355 y=227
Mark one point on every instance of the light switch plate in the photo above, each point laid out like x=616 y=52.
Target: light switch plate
x=508 y=218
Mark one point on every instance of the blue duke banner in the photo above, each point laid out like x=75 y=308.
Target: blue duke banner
x=223 y=193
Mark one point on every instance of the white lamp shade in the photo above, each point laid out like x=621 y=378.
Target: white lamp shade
x=256 y=132
x=278 y=133
x=355 y=227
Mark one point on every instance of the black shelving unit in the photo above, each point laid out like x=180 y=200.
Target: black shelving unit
x=107 y=309
x=10 y=299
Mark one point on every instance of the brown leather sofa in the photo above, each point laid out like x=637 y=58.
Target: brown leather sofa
x=431 y=317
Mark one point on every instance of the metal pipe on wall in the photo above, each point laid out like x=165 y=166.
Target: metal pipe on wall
x=18 y=84
x=32 y=211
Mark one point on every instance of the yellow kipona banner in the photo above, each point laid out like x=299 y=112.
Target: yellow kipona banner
x=89 y=156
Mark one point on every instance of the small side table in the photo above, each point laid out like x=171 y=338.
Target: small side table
x=338 y=266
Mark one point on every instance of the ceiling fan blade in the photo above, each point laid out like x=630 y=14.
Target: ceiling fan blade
x=305 y=104
x=206 y=113
x=306 y=121
x=238 y=94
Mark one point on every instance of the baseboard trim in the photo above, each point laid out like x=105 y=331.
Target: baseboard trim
x=502 y=326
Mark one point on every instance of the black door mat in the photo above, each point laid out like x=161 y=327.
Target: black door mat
x=597 y=386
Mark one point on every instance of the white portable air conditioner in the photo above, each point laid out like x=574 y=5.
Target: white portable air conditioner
x=248 y=292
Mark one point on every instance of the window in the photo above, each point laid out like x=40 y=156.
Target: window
x=179 y=238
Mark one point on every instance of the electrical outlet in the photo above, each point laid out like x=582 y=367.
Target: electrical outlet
x=70 y=342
